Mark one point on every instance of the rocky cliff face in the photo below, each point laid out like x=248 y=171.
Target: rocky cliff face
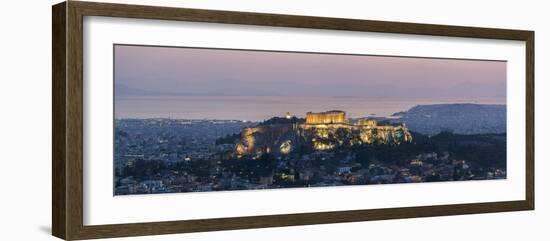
x=266 y=138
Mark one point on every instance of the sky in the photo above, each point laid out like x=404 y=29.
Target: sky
x=146 y=71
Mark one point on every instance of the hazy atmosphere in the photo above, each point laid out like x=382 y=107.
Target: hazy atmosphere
x=239 y=84
x=188 y=71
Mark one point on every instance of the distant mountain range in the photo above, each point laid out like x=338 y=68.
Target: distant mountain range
x=122 y=90
x=456 y=118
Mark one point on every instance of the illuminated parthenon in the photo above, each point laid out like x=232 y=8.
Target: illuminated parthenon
x=327 y=117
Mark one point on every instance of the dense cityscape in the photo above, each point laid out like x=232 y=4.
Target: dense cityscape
x=323 y=149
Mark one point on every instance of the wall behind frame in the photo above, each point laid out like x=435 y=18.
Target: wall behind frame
x=25 y=126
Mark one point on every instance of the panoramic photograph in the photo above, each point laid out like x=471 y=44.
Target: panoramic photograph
x=204 y=119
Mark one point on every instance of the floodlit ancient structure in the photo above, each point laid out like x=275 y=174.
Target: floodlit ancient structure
x=326 y=124
x=328 y=117
x=320 y=131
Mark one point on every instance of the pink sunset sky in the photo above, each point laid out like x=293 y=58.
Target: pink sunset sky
x=144 y=70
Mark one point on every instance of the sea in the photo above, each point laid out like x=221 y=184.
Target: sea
x=258 y=108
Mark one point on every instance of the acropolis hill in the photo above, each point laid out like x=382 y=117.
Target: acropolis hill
x=319 y=132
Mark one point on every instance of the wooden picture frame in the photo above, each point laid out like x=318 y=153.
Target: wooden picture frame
x=67 y=124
